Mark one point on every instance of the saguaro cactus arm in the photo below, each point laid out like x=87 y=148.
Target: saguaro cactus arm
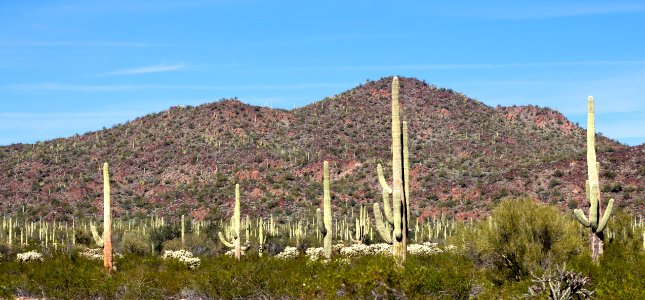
x=406 y=171
x=606 y=215
x=95 y=234
x=224 y=241
x=380 y=225
x=381 y=179
x=581 y=217
x=320 y=222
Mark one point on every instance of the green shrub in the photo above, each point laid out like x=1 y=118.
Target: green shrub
x=523 y=236
x=164 y=233
x=132 y=243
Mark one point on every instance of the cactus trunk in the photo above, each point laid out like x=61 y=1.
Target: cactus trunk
x=107 y=220
x=324 y=218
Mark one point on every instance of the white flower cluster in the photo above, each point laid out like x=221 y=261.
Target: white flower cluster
x=314 y=253
x=288 y=253
x=361 y=249
x=96 y=254
x=93 y=254
x=424 y=249
x=183 y=256
x=30 y=256
x=450 y=248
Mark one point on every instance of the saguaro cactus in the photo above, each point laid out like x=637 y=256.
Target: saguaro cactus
x=183 y=232
x=592 y=188
x=261 y=238
x=107 y=220
x=324 y=218
x=235 y=228
x=398 y=216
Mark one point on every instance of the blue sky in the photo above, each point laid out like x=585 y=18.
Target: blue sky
x=70 y=67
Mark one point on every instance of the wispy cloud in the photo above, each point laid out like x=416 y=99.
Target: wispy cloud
x=62 y=87
x=144 y=70
x=429 y=67
x=517 y=10
x=90 y=44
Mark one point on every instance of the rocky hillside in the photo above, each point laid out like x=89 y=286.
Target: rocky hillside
x=465 y=155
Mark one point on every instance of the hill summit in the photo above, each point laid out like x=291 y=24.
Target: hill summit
x=465 y=156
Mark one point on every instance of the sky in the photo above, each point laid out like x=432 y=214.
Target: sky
x=70 y=67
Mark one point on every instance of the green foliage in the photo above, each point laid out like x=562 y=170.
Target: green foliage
x=444 y=276
x=164 y=233
x=620 y=272
x=523 y=236
x=135 y=244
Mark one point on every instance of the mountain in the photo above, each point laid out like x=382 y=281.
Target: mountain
x=465 y=157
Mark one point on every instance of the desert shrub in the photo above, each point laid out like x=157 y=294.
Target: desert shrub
x=132 y=243
x=274 y=245
x=7 y=252
x=203 y=245
x=523 y=236
x=172 y=245
x=619 y=232
x=84 y=237
x=308 y=241
x=620 y=274
x=164 y=233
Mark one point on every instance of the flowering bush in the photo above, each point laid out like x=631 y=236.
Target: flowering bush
x=96 y=254
x=183 y=256
x=314 y=253
x=424 y=249
x=92 y=254
x=30 y=256
x=361 y=249
x=288 y=253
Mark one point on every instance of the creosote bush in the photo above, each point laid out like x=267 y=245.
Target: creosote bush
x=522 y=236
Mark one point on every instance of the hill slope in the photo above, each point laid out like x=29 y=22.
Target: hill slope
x=465 y=156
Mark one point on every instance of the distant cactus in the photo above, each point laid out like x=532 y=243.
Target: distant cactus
x=362 y=225
x=324 y=218
x=399 y=215
x=235 y=228
x=261 y=237
x=183 y=232
x=592 y=188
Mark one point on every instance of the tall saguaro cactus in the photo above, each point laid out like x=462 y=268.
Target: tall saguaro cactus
x=324 y=217
x=592 y=188
x=395 y=232
x=107 y=220
x=235 y=228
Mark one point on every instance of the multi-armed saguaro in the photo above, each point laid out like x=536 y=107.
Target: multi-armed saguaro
x=593 y=191
x=399 y=215
x=107 y=220
x=235 y=227
x=324 y=222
